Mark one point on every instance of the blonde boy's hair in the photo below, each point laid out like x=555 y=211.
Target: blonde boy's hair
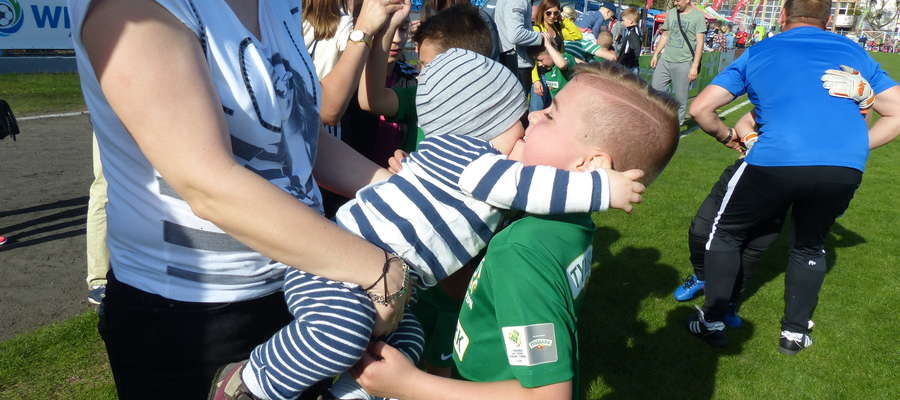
x=635 y=124
x=631 y=14
x=605 y=39
x=569 y=12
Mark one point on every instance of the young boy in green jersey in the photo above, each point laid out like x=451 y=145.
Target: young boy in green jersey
x=517 y=334
x=555 y=67
x=588 y=49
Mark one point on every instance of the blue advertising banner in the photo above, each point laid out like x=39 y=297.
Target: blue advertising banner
x=34 y=24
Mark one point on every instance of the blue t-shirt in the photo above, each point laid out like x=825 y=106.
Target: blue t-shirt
x=799 y=122
x=587 y=20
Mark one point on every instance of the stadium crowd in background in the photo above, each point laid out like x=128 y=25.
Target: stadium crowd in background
x=222 y=130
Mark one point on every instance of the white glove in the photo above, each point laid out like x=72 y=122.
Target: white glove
x=849 y=84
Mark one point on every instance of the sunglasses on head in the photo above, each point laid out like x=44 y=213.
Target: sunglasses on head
x=551 y=13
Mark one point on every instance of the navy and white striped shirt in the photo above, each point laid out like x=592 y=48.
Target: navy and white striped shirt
x=442 y=208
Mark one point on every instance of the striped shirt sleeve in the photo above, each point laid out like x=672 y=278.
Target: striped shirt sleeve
x=537 y=189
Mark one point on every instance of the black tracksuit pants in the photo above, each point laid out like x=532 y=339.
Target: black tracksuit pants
x=758 y=239
x=756 y=195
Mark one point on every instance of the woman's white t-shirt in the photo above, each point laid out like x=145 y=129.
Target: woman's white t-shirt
x=270 y=99
x=326 y=52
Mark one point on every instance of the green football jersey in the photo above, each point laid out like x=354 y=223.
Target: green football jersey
x=557 y=78
x=518 y=319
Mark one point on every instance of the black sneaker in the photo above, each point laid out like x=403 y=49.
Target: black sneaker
x=713 y=333
x=792 y=342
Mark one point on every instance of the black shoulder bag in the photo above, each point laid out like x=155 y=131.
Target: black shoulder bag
x=8 y=125
x=688 y=42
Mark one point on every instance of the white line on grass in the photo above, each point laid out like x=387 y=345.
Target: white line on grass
x=61 y=115
x=722 y=114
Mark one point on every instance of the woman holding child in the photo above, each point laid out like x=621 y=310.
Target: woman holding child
x=207 y=116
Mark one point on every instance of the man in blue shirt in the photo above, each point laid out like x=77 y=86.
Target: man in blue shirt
x=810 y=157
x=597 y=21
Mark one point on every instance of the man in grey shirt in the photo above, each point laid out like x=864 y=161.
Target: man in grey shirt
x=513 y=18
x=680 y=60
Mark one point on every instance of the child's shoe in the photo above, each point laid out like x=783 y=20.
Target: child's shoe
x=689 y=289
x=229 y=385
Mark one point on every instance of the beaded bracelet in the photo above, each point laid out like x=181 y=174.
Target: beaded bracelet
x=387 y=299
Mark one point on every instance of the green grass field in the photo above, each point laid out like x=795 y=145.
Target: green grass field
x=634 y=343
x=30 y=94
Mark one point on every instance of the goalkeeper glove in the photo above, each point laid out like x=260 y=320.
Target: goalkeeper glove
x=849 y=84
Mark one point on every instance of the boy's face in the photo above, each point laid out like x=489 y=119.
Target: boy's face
x=604 y=40
x=544 y=59
x=428 y=50
x=629 y=22
x=554 y=134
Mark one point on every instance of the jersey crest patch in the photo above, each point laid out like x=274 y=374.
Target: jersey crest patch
x=530 y=345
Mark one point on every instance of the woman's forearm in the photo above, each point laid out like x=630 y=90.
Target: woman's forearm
x=279 y=226
x=342 y=170
x=373 y=96
x=340 y=84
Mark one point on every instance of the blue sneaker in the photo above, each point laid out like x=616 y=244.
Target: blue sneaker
x=689 y=289
x=732 y=319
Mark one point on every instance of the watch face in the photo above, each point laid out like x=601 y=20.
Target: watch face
x=357 y=36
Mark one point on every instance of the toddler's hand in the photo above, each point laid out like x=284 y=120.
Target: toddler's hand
x=624 y=189
x=395 y=162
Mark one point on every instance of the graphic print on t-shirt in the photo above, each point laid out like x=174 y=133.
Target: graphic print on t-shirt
x=285 y=113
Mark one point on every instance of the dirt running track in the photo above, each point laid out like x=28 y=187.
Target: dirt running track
x=44 y=181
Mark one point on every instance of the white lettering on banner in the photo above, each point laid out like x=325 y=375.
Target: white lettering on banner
x=35 y=24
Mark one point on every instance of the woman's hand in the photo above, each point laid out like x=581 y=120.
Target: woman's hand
x=399 y=17
x=414 y=26
x=375 y=13
x=388 y=316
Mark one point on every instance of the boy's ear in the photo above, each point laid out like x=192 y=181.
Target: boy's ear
x=595 y=161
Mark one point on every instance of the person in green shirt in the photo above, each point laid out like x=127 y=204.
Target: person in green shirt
x=679 y=64
x=459 y=26
x=517 y=336
x=554 y=68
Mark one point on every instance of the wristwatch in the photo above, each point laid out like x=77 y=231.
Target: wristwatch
x=359 y=36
